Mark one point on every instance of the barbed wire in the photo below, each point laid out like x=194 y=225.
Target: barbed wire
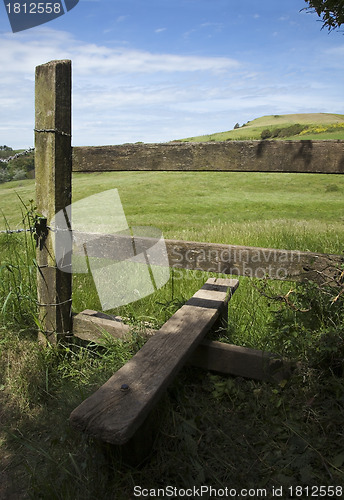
x=16 y=231
x=30 y=150
x=17 y=155
x=32 y=230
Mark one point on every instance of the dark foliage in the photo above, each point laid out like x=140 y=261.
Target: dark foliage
x=330 y=11
x=282 y=132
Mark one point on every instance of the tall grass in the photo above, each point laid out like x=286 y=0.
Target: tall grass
x=290 y=211
x=18 y=290
x=215 y=431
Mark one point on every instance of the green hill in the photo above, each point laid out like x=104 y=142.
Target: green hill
x=302 y=126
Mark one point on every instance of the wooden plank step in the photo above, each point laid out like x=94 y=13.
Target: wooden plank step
x=119 y=407
x=210 y=355
x=93 y=326
x=230 y=359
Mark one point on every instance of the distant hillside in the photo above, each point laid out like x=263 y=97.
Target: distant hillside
x=317 y=126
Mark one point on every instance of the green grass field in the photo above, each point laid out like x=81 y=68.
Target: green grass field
x=288 y=211
x=291 y=211
x=219 y=431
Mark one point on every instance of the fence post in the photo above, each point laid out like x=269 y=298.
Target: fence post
x=53 y=166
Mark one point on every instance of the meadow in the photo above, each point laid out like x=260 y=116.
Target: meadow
x=291 y=211
x=316 y=126
x=219 y=431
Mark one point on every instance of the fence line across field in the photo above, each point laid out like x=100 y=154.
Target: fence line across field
x=120 y=412
x=56 y=159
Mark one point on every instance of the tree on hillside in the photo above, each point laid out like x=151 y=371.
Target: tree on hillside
x=330 y=11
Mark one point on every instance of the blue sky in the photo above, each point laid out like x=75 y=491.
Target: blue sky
x=160 y=70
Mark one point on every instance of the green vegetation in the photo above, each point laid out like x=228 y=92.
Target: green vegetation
x=330 y=11
x=18 y=168
x=218 y=431
x=292 y=211
x=302 y=126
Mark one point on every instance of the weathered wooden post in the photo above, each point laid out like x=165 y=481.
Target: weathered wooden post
x=53 y=165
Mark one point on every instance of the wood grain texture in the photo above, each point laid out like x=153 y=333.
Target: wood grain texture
x=242 y=156
x=53 y=166
x=240 y=361
x=209 y=355
x=254 y=262
x=94 y=326
x=112 y=414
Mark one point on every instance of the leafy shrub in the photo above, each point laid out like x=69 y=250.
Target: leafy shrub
x=276 y=132
x=292 y=130
x=266 y=134
x=309 y=322
x=338 y=127
x=18 y=168
x=4 y=175
x=295 y=129
x=19 y=175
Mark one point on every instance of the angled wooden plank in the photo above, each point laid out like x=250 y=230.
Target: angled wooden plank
x=120 y=406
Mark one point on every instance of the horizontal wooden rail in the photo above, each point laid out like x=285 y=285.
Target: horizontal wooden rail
x=253 y=262
x=244 y=156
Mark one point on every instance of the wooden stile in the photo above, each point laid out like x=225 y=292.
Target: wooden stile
x=53 y=164
x=119 y=409
x=120 y=406
x=210 y=355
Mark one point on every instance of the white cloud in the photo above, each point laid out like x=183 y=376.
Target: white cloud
x=114 y=82
x=123 y=94
x=91 y=58
x=21 y=53
x=121 y=19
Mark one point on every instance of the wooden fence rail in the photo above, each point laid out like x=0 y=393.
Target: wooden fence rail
x=252 y=262
x=230 y=156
